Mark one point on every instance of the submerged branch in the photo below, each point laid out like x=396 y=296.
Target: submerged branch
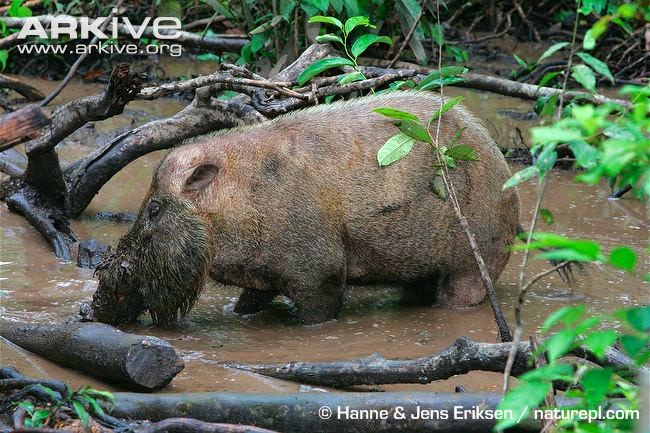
x=463 y=356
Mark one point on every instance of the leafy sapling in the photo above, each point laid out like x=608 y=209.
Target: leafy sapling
x=413 y=130
x=342 y=38
x=591 y=386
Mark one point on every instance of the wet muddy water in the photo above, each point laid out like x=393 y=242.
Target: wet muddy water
x=39 y=288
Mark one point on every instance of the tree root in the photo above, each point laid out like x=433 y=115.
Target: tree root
x=53 y=228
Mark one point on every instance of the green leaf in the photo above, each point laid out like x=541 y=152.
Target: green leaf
x=39 y=416
x=355 y=22
x=622 y=258
x=456 y=136
x=549 y=373
x=351 y=77
x=414 y=130
x=438 y=186
x=49 y=391
x=586 y=155
x=97 y=409
x=589 y=42
x=545 y=160
x=396 y=114
x=597 y=65
x=81 y=412
x=312 y=7
x=559 y=344
x=521 y=400
x=462 y=152
x=633 y=344
x=521 y=61
x=521 y=176
x=554 y=135
x=327 y=20
x=566 y=315
x=639 y=318
x=4 y=55
x=444 y=72
x=27 y=405
x=364 y=41
x=585 y=76
x=329 y=37
x=596 y=384
x=565 y=254
x=320 y=66
x=100 y=395
x=208 y=57
x=395 y=148
x=552 y=50
x=548 y=77
x=599 y=341
x=547 y=216
x=446 y=107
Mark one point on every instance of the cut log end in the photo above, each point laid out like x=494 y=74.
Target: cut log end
x=152 y=351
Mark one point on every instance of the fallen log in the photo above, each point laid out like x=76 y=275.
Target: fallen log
x=318 y=412
x=504 y=86
x=463 y=356
x=137 y=362
x=187 y=425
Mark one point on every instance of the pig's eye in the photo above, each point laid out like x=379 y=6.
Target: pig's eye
x=154 y=210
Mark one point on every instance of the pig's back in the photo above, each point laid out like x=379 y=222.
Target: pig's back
x=391 y=215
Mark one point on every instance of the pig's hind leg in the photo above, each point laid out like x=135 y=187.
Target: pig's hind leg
x=320 y=302
x=462 y=288
x=252 y=301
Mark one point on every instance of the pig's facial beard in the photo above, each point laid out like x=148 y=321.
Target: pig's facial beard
x=161 y=270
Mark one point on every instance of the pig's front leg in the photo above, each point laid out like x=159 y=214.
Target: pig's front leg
x=252 y=301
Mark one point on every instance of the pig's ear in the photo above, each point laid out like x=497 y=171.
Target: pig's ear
x=202 y=176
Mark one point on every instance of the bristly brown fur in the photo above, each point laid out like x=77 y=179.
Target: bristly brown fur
x=151 y=273
x=298 y=206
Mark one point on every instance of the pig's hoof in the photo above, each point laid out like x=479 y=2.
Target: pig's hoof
x=253 y=301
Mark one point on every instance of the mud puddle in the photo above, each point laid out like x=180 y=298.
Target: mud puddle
x=39 y=288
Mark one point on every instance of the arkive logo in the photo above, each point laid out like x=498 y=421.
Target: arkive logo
x=85 y=27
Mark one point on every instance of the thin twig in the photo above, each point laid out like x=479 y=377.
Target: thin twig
x=523 y=288
x=504 y=330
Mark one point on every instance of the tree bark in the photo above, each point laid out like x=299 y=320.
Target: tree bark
x=21 y=125
x=299 y=412
x=32 y=94
x=463 y=356
x=188 y=425
x=135 y=361
x=504 y=86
